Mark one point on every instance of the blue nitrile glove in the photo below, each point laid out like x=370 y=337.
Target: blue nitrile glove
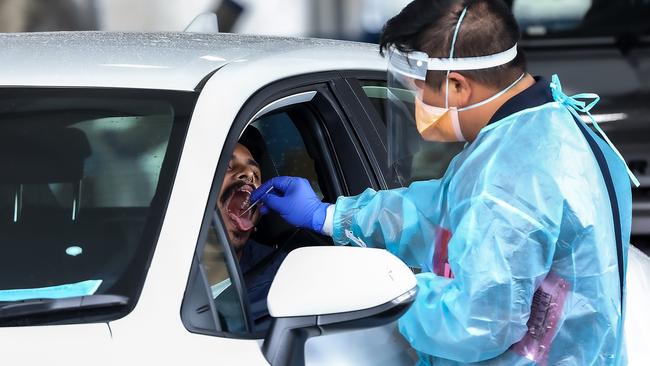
x=295 y=201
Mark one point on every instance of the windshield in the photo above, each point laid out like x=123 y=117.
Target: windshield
x=85 y=180
x=582 y=18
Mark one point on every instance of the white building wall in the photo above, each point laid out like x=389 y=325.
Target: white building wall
x=149 y=15
x=271 y=17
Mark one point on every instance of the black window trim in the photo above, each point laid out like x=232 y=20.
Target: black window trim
x=369 y=118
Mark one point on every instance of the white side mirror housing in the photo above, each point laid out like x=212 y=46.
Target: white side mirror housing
x=318 y=290
x=332 y=280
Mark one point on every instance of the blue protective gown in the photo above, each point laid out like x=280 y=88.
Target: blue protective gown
x=516 y=243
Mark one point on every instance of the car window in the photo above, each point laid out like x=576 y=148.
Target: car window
x=431 y=163
x=376 y=93
x=286 y=149
x=294 y=140
x=212 y=302
x=86 y=176
x=230 y=313
x=284 y=153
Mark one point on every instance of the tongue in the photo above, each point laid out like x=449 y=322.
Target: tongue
x=242 y=223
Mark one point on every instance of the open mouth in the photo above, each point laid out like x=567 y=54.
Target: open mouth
x=240 y=201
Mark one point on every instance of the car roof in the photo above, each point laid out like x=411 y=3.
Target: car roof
x=169 y=61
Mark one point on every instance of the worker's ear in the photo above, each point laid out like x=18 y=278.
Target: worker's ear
x=460 y=90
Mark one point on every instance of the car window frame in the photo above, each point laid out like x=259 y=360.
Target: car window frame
x=335 y=121
x=370 y=122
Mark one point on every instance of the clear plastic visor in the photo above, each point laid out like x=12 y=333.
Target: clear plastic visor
x=410 y=156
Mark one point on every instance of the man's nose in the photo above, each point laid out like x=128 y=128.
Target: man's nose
x=246 y=175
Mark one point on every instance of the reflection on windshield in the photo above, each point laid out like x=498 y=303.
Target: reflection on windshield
x=83 y=288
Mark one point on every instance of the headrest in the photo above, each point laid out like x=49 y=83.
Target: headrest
x=48 y=156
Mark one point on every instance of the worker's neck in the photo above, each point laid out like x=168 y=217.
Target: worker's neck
x=473 y=121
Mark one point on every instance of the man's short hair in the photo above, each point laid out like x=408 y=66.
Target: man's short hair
x=489 y=27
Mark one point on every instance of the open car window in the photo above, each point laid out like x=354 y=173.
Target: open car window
x=237 y=268
x=282 y=151
x=306 y=138
x=286 y=149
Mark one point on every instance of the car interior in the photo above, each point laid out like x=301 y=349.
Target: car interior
x=32 y=210
x=291 y=150
x=49 y=235
x=81 y=193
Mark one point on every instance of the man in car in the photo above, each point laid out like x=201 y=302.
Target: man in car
x=258 y=263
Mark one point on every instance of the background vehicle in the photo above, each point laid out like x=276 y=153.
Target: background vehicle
x=114 y=148
x=603 y=47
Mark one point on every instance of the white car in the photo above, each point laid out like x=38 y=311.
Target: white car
x=113 y=147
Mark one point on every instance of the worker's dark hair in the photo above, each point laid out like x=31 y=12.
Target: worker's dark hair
x=428 y=26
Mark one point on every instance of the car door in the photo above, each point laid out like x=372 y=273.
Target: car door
x=310 y=129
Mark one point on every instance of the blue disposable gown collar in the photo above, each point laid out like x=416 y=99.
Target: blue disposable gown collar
x=536 y=95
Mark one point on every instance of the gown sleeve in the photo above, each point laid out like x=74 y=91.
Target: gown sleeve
x=501 y=249
x=399 y=220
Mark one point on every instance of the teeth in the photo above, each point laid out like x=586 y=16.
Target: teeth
x=246 y=202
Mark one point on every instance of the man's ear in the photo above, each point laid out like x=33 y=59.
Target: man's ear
x=460 y=90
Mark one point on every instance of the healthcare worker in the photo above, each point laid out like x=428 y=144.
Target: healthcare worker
x=522 y=243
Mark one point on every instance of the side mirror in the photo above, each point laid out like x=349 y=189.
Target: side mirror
x=319 y=290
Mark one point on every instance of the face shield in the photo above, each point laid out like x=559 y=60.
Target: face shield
x=420 y=133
